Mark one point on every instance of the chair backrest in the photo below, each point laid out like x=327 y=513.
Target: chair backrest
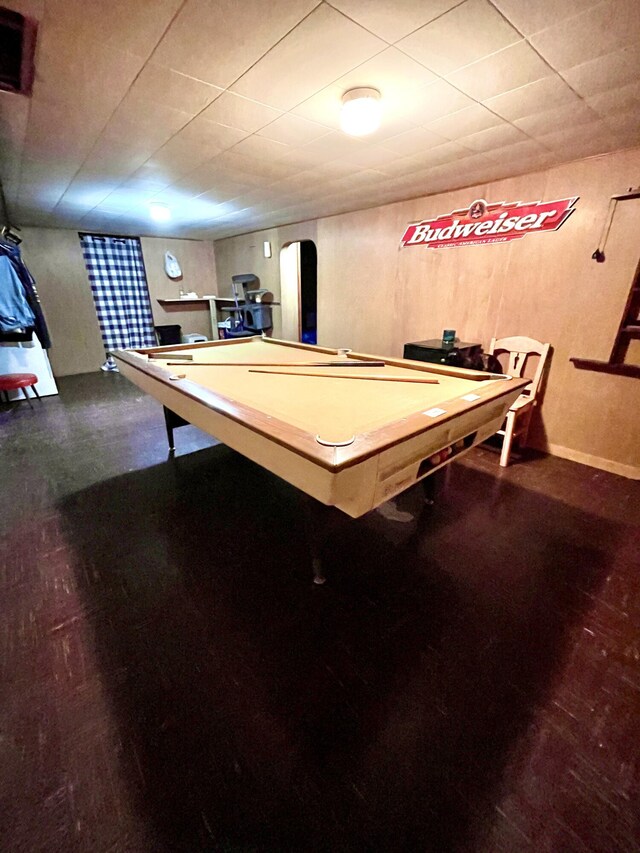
x=520 y=363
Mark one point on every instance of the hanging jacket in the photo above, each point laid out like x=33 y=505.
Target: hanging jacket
x=15 y=312
x=30 y=291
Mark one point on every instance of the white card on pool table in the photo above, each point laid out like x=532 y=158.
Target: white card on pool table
x=434 y=413
x=471 y=397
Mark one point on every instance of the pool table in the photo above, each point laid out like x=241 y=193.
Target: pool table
x=350 y=439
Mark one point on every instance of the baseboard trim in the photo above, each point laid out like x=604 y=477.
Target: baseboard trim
x=630 y=471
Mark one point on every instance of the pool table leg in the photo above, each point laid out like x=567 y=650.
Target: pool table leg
x=429 y=489
x=172 y=421
x=320 y=522
x=169 y=425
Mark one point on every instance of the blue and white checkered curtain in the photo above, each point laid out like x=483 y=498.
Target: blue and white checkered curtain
x=119 y=285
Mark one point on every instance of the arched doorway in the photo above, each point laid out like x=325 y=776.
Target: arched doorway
x=299 y=291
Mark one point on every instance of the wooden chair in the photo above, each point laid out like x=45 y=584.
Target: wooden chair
x=520 y=351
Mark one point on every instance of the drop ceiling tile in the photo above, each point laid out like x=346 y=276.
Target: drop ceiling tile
x=155 y=120
x=116 y=162
x=469 y=32
x=206 y=132
x=56 y=130
x=511 y=68
x=365 y=179
x=435 y=101
x=494 y=137
x=534 y=98
x=134 y=27
x=594 y=138
x=323 y=107
x=617 y=100
x=550 y=121
x=625 y=126
x=233 y=172
x=464 y=122
x=532 y=162
x=293 y=130
x=301 y=194
x=251 y=198
x=414 y=141
x=243 y=165
x=84 y=193
x=532 y=17
x=105 y=223
x=300 y=159
x=392 y=21
x=392 y=72
x=211 y=178
x=146 y=185
x=119 y=201
x=332 y=169
x=307 y=178
x=324 y=47
x=597 y=31
x=261 y=148
x=180 y=157
x=370 y=157
x=605 y=72
x=599 y=143
x=217 y=42
x=124 y=134
x=390 y=126
x=332 y=146
x=68 y=214
x=172 y=89
x=530 y=150
x=402 y=166
x=235 y=111
x=155 y=175
x=441 y=154
x=71 y=71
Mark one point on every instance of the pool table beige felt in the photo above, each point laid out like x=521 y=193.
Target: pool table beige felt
x=348 y=442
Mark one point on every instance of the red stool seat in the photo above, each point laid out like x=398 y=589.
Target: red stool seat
x=13 y=381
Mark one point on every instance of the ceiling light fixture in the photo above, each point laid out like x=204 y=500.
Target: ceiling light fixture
x=361 y=110
x=159 y=212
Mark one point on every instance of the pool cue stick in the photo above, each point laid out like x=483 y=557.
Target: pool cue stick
x=340 y=375
x=330 y=364
x=184 y=357
x=455 y=373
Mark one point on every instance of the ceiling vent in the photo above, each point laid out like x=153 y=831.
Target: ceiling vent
x=17 y=45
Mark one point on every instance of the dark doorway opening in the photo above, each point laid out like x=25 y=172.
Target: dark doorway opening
x=308 y=292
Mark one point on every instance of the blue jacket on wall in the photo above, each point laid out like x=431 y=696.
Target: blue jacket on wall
x=15 y=312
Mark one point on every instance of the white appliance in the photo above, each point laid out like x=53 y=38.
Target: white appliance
x=194 y=338
x=28 y=357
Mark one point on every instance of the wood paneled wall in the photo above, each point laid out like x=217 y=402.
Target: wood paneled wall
x=245 y=255
x=54 y=256
x=196 y=259
x=374 y=296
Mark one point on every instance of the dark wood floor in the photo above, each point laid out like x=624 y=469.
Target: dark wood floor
x=173 y=681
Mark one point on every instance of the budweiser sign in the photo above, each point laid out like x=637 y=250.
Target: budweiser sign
x=480 y=223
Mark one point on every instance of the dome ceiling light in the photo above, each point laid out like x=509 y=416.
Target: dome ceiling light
x=361 y=111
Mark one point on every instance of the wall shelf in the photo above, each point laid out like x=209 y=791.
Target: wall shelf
x=632 y=370
x=184 y=304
